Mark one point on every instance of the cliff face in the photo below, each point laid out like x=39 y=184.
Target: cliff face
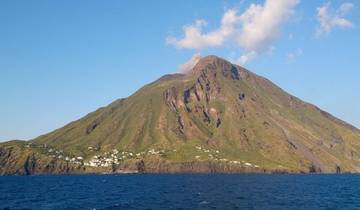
x=15 y=158
x=218 y=118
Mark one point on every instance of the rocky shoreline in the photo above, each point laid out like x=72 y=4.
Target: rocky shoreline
x=34 y=166
x=17 y=159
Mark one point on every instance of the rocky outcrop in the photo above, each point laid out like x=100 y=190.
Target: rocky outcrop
x=15 y=160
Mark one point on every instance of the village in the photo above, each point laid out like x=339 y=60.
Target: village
x=115 y=157
x=214 y=155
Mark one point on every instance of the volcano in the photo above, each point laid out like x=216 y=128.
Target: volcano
x=216 y=118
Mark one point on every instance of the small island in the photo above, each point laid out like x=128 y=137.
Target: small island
x=217 y=118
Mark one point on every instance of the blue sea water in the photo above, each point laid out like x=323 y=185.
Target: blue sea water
x=182 y=191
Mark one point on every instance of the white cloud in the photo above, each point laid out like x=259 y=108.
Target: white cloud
x=253 y=31
x=246 y=57
x=291 y=36
x=194 y=38
x=345 y=8
x=329 y=19
x=189 y=65
x=294 y=55
x=261 y=23
x=271 y=50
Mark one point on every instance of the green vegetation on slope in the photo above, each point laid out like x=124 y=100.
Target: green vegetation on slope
x=218 y=113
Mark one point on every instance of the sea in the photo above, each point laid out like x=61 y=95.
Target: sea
x=181 y=191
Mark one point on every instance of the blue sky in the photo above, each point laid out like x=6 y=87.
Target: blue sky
x=60 y=60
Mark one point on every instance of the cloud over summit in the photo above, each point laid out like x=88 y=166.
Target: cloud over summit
x=189 y=65
x=253 y=31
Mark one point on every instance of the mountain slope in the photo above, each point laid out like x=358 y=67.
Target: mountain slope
x=217 y=118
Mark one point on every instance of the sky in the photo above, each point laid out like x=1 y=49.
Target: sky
x=60 y=60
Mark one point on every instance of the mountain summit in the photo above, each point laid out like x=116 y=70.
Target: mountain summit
x=219 y=117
